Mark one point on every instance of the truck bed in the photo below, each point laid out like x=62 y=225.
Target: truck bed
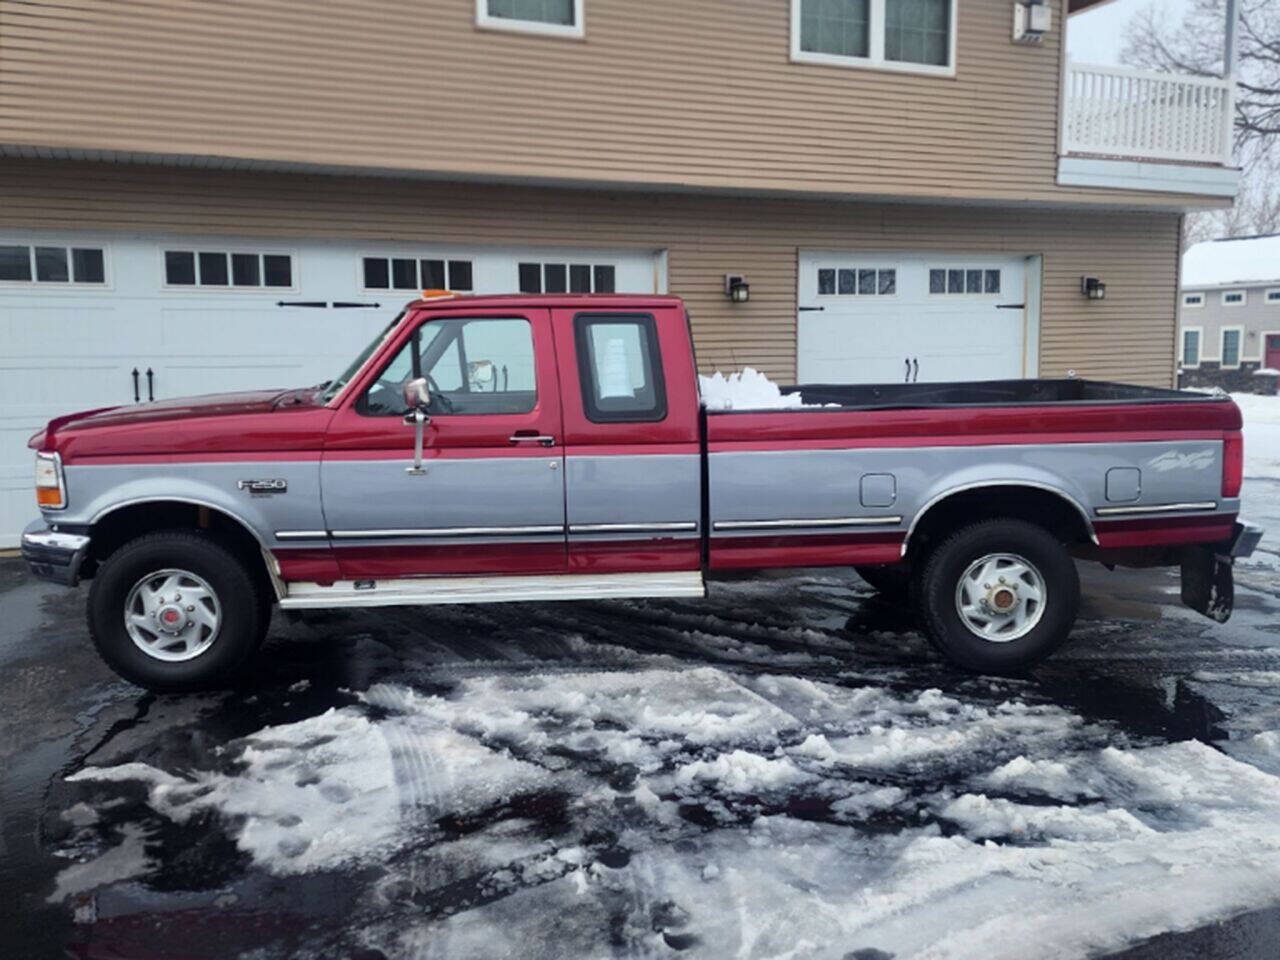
x=989 y=393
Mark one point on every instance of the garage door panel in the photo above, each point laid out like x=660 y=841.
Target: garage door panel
x=884 y=337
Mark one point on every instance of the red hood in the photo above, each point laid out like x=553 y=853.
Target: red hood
x=215 y=423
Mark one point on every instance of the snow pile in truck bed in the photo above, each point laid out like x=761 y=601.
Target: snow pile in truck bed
x=748 y=389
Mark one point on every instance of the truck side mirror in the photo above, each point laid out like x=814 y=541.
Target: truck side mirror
x=417 y=394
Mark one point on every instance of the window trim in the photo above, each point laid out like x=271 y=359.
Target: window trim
x=229 y=287
x=1186 y=302
x=1222 y=344
x=586 y=376
x=875 y=59
x=46 y=286
x=1266 y=296
x=1182 y=348
x=1244 y=298
x=576 y=31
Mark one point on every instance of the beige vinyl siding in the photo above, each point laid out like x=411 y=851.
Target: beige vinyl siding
x=664 y=93
x=1128 y=336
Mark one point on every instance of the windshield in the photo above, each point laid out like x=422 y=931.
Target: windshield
x=334 y=387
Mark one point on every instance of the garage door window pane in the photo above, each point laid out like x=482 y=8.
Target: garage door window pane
x=837 y=27
x=992 y=281
x=826 y=282
x=556 y=280
x=867 y=281
x=580 y=278
x=973 y=281
x=213 y=269
x=51 y=265
x=15 y=263
x=888 y=282
x=87 y=265
x=620 y=368
x=433 y=277
x=937 y=281
x=530 y=278
x=460 y=275
x=848 y=282
x=606 y=278
x=277 y=270
x=955 y=281
x=246 y=270
x=404 y=274
x=179 y=268
x=377 y=273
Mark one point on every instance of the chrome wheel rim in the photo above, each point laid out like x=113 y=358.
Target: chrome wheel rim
x=1001 y=597
x=172 y=615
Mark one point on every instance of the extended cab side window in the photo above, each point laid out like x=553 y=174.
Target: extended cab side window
x=620 y=368
x=474 y=365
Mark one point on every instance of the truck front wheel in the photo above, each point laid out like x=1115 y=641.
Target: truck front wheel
x=176 y=611
x=999 y=596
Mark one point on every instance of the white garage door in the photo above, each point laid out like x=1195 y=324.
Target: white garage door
x=886 y=318
x=80 y=313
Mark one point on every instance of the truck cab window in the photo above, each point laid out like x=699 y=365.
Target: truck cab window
x=620 y=368
x=474 y=366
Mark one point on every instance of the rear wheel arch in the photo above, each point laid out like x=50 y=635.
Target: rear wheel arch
x=1048 y=507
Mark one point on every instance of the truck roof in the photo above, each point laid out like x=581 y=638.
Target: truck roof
x=446 y=300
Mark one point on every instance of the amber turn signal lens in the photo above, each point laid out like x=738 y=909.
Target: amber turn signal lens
x=48 y=497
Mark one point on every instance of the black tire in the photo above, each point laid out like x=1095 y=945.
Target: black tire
x=243 y=612
x=891 y=582
x=940 y=581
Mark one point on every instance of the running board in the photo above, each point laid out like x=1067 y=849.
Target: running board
x=428 y=591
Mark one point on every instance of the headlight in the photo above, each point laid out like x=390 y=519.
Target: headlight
x=51 y=492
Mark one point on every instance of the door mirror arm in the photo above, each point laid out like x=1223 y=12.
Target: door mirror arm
x=417 y=397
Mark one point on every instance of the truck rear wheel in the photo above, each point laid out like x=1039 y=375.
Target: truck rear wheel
x=176 y=611
x=999 y=596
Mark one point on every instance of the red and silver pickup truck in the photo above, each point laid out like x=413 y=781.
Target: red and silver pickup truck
x=539 y=448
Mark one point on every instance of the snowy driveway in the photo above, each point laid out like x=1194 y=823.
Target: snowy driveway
x=783 y=770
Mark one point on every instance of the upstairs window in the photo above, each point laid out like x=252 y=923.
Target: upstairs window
x=54 y=265
x=1234 y=298
x=1193 y=299
x=218 y=268
x=1273 y=297
x=910 y=35
x=557 y=18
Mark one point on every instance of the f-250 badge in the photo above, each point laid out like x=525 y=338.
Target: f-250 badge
x=263 y=488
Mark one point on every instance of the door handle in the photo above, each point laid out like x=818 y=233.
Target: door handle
x=151 y=392
x=907 y=376
x=532 y=436
x=915 y=370
x=136 y=395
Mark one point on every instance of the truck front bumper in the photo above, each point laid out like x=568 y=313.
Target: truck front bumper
x=54 y=555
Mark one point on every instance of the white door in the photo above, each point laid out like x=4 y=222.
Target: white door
x=81 y=312
x=890 y=318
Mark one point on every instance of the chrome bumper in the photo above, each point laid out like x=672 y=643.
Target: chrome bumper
x=1244 y=540
x=52 y=555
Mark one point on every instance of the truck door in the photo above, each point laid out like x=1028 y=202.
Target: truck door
x=488 y=497
x=633 y=464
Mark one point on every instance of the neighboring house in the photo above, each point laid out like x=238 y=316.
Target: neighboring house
x=1229 y=314
x=200 y=196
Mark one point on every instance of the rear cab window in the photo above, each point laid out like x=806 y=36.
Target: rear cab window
x=620 y=368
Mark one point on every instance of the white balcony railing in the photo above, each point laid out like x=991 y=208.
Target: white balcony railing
x=1116 y=112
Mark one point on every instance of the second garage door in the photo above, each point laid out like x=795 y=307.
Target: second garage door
x=890 y=318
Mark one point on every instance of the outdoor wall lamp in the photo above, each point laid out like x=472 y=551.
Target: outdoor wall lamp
x=736 y=288
x=1093 y=288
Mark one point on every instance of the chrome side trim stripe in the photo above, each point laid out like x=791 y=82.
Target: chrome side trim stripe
x=284 y=535
x=427 y=532
x=683 y=526
x=833 y=523
x=430 y=591
x=1200 y=506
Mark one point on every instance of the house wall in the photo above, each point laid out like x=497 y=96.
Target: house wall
x=1128 y=336
x=663 y=93
x=1257 y=319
